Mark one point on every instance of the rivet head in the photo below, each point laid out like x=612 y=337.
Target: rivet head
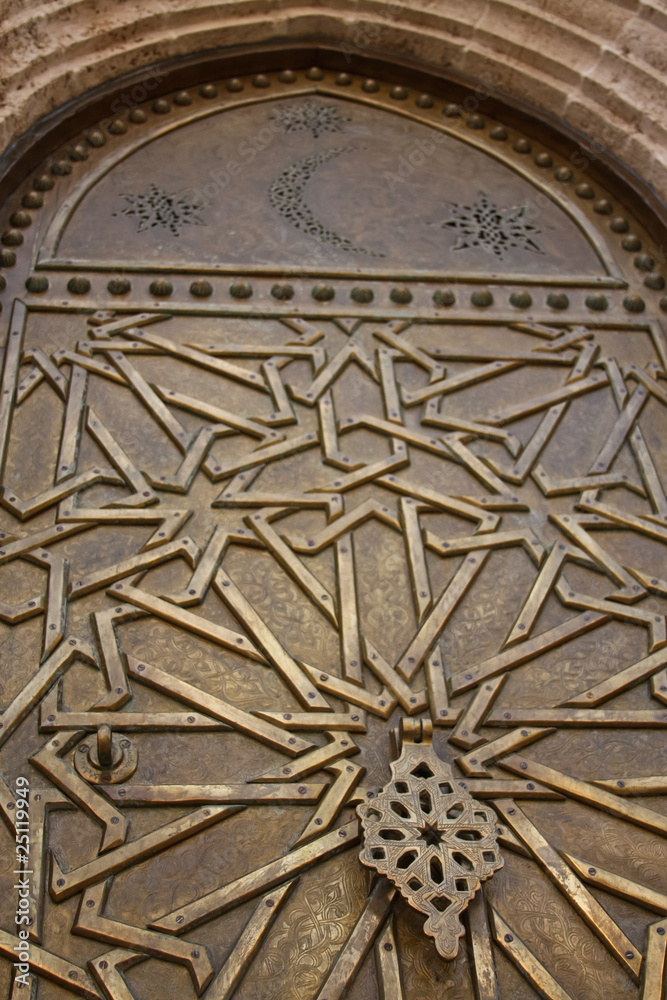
x=401 y=296
x=361 y=295
x=543 y=160
x=182 y=98
x=522 y=146
x=20 y=219
x=482 y=298
x=644 y=262
x=398 y=93
x=161 y=106
x=475 y=121
x=208 y=90
x=160 y=288
x=655 y=282
x=78 y=286
x=444 y=297
x=370 y=86
x=633 y=303
x=631 y=243
x=564 y=175
x=11 y=238
x=498 y=132
x=521 y=300
x=323 y=293
x=584 y=191
x=557 y=300
x=201 y=289
x=598 y=303
x=282 y=292
x=119 y=286
x=240 y=290
x=43 y=183
x=288 y=76
x=260 y=80
x=424 y=101
x=234 y=86
x=138 y=116
x=314 y=73
x=619 y=225
x=37 y=283
x=603 y=207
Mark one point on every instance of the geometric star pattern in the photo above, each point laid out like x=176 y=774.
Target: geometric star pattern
x=230 y=464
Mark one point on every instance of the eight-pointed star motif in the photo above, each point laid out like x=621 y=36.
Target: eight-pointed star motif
x=485 y=224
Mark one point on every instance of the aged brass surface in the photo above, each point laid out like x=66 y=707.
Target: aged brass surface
x=328 y=410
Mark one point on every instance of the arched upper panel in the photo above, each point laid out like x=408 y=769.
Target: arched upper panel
x=330 y=183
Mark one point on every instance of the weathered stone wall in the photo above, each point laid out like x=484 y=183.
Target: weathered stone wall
x=601 y=65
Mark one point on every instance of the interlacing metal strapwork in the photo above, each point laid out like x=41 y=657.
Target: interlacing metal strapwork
x=264 y=505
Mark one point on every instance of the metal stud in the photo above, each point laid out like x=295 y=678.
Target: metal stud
x=32 y=200
x=398 y=93
x=584 y=191
x=655 y=282
x=521 y=300
x=208 y=91
x=37 y=283
x=240 y=290
x=401 y=296
x=11 y=238
x=424 y=101
x=119 y=286
x=564 y=175
x=631 y=244
x=323 y=293
x=161 y=106
x=598 y=303
x=287 y=76
x=161 y=288
x=201 y=289
x=43 y=183
x=61 y=168
x=78 y=285
x=20 y=219
x=633 y=303
x=557 y=300
x=117 y=127
x=444 y=298
x=182 y=98
x=544 y=160
x=138 y=116
x=314 y=73
x=476 y=121
x=96 y=137
x=362 y=295
x=482 y=298
x=260 y=80
x=282 y=292
x=522 y=146
x=498 y=132
x=370 y=86
x=234 y=85
x=603 y=207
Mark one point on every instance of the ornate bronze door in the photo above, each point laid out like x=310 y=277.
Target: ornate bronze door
x=332 y=586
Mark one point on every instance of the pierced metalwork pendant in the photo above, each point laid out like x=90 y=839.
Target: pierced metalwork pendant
x=430 y=837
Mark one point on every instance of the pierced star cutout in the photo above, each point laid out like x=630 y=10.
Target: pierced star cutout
x=307 y=116
x=497 y=230
x=156 y=207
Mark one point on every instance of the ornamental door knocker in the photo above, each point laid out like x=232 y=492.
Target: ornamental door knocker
x=429 y=836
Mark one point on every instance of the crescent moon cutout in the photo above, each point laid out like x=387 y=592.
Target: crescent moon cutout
x=286 y=194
